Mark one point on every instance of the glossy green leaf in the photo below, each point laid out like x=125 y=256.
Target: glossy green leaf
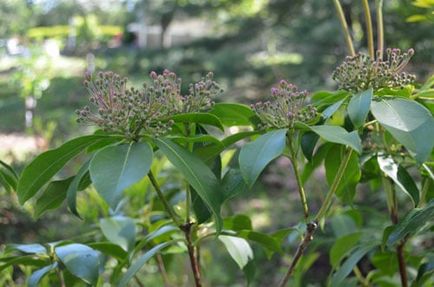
x=342 y=246
x=110 y=249
x=349 y=264
x=358 y=107
x=386 y=262
x=209 y=152
x=8 y=177
x=400 y=177
x=37 y=276
x=199 y=118
x=412 y=223
x=232 y=114
x=266 y=241
x=323 y=99
x=238 y=248
x=47 y=164
x=308 y=143
x=115 y=168
x=138 y=264
x=409 y=123
x=196 y=139
x=81 y=260
x=339 y=135
x=28 y=260
x=238 y=222
x=424 y=273
x=52 y=197
x=233 y=184
x=256 y=155
x=74 y=187
x=34 y=248
x=197 y=174
x=330 y=110
x=120 y=230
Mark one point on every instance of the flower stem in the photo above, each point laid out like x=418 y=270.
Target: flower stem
x=185 y=227
x=393 y=210
x=369 y=33
x=345 y=28
x=337 y=180
x=166 y=204
x=380 y=28
x=312 y=226
x=308 y=237
x=191 y=253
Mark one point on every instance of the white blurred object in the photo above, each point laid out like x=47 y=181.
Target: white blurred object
x=51 y=48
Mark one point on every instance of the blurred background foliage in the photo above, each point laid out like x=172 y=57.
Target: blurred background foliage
x=46 y=46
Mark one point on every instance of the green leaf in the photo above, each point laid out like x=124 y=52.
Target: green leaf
x=197 y=174
x=120 y=230
x=71 y=193
x=47 y=164
x=199 y=118
x=358 y=107
x=110 y=249
x=52 y=197
x=8 y=177
x=349 y=264
x=256 y=155
x=308 y=143
x=400 y=177
x=409 y=123
x=346 y=188
x=209 y=152
x=28 y=260
x=138 y=264
x=233 y=184
x=34 y=248
x=81 y=260
x=330 y=110
x=39 y=274
x=232 y=114
x=424 y=273
x=238 y=222
x=266 y=241
x=321 y=99
x=196 y=139
x=412 y=223
x=238 y=248
x=385 y=262
x=342 y=246
x=115 y=168
x=338 y=135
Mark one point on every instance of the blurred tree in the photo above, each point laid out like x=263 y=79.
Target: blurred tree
x=14 y=17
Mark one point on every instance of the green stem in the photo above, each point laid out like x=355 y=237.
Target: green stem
x=380 y=28
x=166 y=204
x=425 y=188
x=369 y=33
x=191 y=130
x=293 y=159
x=337 y=180
x=345 y=28
x=393 y=209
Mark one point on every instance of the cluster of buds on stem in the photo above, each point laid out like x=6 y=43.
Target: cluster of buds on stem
x=130 y=111
x=360 y=72
x=286 y=106
x=168 y=86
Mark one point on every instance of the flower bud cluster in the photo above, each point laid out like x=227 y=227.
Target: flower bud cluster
x=361 y=72
x=129 y=111
x=286 y=106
